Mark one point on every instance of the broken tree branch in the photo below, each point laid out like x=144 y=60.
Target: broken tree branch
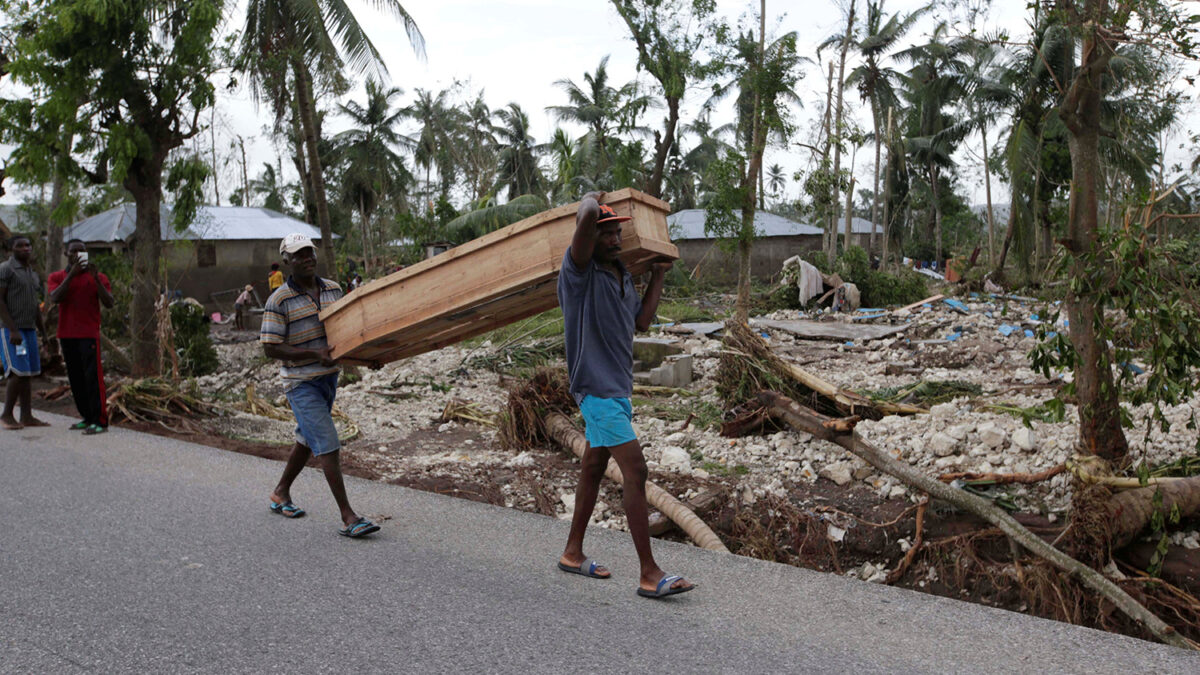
x=560 y=428
x=808 y=421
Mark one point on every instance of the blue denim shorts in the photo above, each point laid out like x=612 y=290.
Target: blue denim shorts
x=607 y=421
x=28 y=364
x=312 y=404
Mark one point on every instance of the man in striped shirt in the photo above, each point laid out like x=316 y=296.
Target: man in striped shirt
x=293 y=333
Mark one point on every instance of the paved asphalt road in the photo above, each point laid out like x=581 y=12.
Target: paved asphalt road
x=134 y=553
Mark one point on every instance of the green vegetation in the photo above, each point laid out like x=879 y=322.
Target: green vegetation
x=193 y=346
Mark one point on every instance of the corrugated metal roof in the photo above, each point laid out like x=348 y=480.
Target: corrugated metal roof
x=211 y=223
x=689 y=224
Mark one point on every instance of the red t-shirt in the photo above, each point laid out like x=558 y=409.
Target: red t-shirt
x=79 y=312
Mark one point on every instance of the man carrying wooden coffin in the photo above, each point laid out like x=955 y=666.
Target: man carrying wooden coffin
x=601 y=310
x=293 y=333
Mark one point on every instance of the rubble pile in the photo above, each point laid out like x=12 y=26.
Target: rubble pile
x=983 y=340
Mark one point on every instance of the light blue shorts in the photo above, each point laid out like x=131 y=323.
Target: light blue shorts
x=28 y=364
x=312 y=404
x=608 y=422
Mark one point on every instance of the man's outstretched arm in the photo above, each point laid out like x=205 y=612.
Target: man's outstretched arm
x=658 y=274
x=583 y=244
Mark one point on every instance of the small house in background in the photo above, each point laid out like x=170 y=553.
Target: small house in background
x=778 y=239
x=433 y=248
x=225 y=247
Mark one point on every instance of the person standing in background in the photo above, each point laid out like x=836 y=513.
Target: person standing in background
x=79 y=290
x=20 y=324
x=274 y=279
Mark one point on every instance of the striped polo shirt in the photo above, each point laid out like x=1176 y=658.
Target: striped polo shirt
x=24 y=291
x=291 y=317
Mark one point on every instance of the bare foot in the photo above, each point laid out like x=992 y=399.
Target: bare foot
x=11 y=424
x=34 y=422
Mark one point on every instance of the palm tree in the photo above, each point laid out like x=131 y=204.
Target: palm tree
x=519 y=171
x=304 y=39
x=603 y=109
x=434 y=114
x=374 y=168
x=267 y=186
x=876 y=82
x=776 y=179
x=931 y=87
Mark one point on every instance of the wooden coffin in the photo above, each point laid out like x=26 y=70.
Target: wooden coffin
x=499 y=278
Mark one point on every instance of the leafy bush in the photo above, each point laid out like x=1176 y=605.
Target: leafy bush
x=197 y=356
x=880 y=289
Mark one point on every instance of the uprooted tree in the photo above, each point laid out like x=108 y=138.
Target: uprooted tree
x=131 y=79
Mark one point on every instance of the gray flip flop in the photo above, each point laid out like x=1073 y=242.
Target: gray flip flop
x=663 y=589
x=587 y=568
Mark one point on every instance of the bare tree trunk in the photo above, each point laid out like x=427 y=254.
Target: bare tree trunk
x=662 y=148
x=757 y=147
x=310 y=208
x=144 y=182
x=1100 y=431
x=829 y=240
x=875 y=187
x=937 y=214
x=849 y=214
x=887 y=198
x=245 y=173
x=308 y=125
x=216 y=171
x=837 y=125
x=54 y=234
x=987 y=182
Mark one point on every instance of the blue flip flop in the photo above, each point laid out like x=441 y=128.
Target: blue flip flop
x=359 y=528
x=663 y=589
x=587 y=568
x=287 y=510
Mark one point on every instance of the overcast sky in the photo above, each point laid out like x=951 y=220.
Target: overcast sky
x=514 y=50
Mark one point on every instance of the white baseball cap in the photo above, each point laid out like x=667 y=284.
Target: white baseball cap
x=295 y=242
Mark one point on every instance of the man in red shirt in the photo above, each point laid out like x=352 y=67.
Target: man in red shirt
x=79 y=290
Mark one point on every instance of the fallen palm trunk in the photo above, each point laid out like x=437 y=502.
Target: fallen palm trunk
x=811 y=422
x=1131 y=511
x=1004 y=478
x=748 y=365
x=560 y=428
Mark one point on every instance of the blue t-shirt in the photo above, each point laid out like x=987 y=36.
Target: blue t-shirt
x=599 y=315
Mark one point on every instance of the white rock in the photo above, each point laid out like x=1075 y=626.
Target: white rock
x=897 y=492
x=838 y=472
x=523 y=459
x=943 y=411
x=942 y=444
x=991 y=435
x=675 y=458
x=748 y=497
x=445 y=427
x=1025 y=439
x=1192 y=542
x=568 y=500
x=959 y=431
x=676 y=438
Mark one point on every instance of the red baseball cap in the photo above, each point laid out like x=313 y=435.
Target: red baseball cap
x=608 y=215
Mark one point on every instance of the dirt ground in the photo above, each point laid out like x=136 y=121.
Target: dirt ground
x=780 y=496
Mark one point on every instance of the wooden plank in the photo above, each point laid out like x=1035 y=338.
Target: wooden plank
x=906 y=308
x=501 y=277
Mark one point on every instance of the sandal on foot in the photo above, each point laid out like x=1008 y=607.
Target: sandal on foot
x=587 y=568
x=663 y=589
x=359 y=528
x=79 y=426
x=287 y=509
x=94 y=429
